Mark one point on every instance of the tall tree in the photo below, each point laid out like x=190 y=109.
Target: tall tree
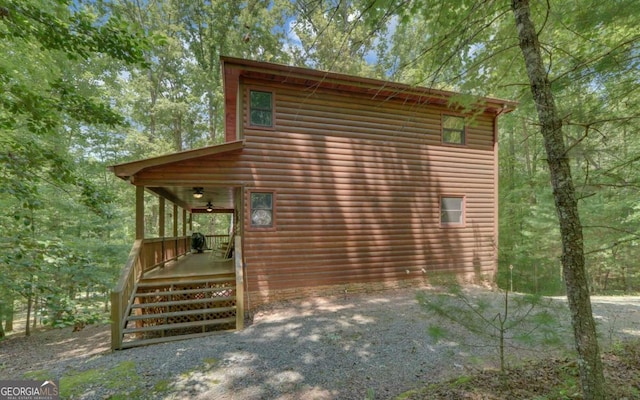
x=590 y=61
x=227 y=28
x=573 y=262
x=340 y=36
x=43 y=108
x=176 y=101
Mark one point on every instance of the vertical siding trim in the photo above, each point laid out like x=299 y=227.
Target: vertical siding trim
x=231 y=89
x=239 y=112
x=496 y=175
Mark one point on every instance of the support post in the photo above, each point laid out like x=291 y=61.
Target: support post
x=237 y=252
x=116 y=317
x=161 y=229
x=161 y=217
x=175 y=231
x=187 y=243
x=139 y=212
x=184 y=222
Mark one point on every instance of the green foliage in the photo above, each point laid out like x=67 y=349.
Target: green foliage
x=56 y=210
x=437 y=332
x=591 y=50
x=336 y=37
x=520 y=319
x=157 y=63
x=370 y=395
x=54 y=273
x=122 y=380
x=60 y=312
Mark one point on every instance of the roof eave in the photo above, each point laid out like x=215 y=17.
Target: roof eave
x=127 y=170
x=499 y=106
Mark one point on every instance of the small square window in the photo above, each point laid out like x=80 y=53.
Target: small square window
x=452 y=210
x=453 y=130
x=261 y=209
x=261 y=108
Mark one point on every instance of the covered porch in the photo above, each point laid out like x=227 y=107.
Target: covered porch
x=171 y=288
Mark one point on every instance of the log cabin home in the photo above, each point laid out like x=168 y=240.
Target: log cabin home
x=333 y=183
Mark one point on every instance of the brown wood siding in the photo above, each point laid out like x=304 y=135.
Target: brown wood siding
x=358 y=184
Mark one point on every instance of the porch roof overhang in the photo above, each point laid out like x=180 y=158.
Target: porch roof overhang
x=220 y=195
x=130 y=169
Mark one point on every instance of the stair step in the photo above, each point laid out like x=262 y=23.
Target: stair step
x=145 y=342
x=181 y=313
x=180 y=325
x=182 y=302
x=184 y=291
x=151 y=282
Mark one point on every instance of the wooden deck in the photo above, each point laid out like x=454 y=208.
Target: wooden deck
x=192 y=296
x=192 y=265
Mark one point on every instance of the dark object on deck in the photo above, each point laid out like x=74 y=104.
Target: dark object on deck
x=198 y=242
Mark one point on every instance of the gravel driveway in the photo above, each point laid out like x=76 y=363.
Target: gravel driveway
x=350 y=347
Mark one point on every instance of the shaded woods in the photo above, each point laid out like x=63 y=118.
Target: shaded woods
x=87 y=85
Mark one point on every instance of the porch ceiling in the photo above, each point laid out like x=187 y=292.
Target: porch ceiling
x=220 y=194
x=221 y=197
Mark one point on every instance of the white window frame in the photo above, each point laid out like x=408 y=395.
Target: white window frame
x=461 y=220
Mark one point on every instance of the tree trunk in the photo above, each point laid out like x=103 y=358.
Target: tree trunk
x=35 y=312
x=211 y=114
x=2 y=314
x=177 y=132
x=27 y=328
x=591 y=374
x=8 y=316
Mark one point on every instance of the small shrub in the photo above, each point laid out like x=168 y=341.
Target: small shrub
x=520 y=318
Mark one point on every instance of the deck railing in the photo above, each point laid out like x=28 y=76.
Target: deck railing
x=145 y=255
x=158 y=251
x=215 y=241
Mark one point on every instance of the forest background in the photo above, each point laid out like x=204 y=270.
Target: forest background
x=88 y=84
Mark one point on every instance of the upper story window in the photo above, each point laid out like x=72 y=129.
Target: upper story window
x=452 y=210
x=261 y=108
x=453 y=130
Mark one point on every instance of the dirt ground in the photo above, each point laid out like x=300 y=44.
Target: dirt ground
x=44 y=347
x=617 y=317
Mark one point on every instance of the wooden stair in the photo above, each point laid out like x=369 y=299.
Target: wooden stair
x=173 y=309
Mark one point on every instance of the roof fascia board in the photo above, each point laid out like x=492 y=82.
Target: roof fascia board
x=127 y=170
x=363 y=84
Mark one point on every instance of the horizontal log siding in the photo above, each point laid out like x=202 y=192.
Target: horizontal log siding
x=357 y=191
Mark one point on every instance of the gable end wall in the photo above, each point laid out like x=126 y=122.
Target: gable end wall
x=358 y=183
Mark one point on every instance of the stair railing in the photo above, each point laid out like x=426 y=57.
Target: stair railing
x=122 y=294
x=145 y=255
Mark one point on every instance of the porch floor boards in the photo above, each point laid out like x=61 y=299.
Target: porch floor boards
x=191 y=266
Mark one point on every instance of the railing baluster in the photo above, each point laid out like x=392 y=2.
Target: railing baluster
x=145 y=255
